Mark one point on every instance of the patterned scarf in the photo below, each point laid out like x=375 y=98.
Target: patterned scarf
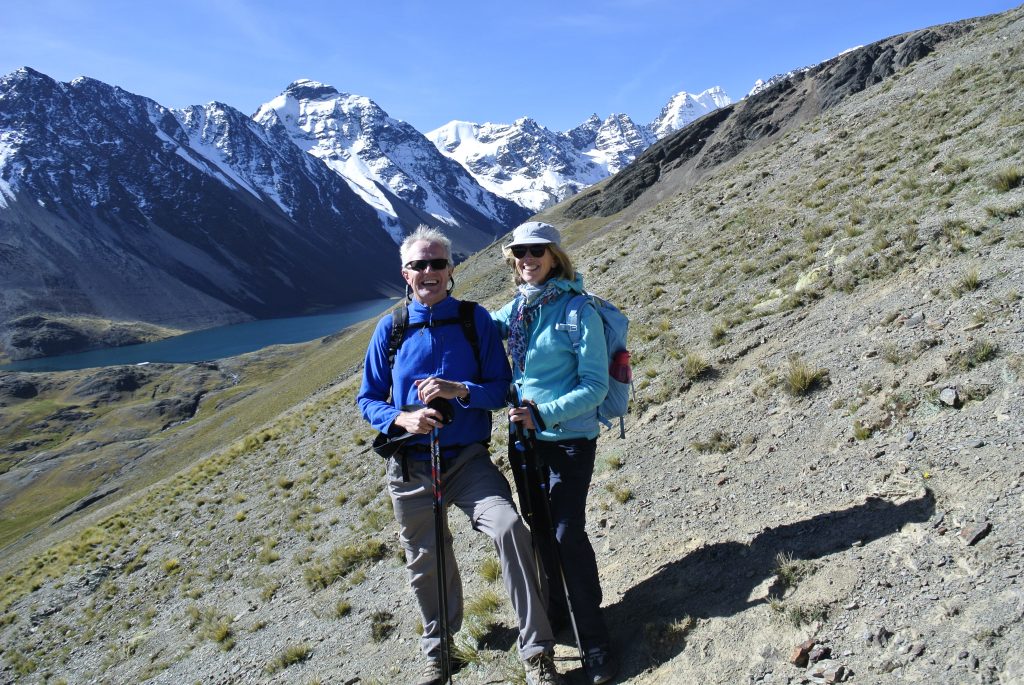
x=528 y=304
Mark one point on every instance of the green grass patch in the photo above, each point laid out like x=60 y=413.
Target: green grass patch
x=289 y=656
x=342 y=561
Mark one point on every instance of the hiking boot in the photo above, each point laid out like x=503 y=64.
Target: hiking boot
x=601 y=665
x=540 y=670
x=431 y=674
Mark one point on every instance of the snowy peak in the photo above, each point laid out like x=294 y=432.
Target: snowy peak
x=454 y=133
x=118 y=207
x=585 y=135
x=716 y=95
x=684 y=107
x=389 y=164
x=305 y=89
x=536 y=167
x=618 y=141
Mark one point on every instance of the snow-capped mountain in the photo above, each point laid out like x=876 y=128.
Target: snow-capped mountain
x=114 y=206
x=389 y=164
x=523 y=161
x=117 y=207
x=537 y=167
x=683 y=108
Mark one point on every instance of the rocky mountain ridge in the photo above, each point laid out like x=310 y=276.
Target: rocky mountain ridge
x=537 y=167
x=224 y=225
x=382 y=158
x=118 y=209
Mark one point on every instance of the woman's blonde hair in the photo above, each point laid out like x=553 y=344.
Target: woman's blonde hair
x=563 y=267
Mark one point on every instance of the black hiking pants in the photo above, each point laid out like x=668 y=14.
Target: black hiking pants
x=570 y=466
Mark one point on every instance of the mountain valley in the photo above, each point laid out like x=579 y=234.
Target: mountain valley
x=822 y=475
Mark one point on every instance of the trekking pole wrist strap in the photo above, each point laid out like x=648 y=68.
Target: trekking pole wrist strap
x=538 y=422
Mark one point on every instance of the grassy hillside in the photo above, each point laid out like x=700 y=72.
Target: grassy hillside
x=825 y=443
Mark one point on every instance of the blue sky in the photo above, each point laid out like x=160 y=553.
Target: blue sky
x=431 y=62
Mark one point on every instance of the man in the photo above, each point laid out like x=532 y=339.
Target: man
x=436 y=359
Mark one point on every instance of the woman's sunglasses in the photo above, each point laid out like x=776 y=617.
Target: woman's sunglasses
x=519 y=251
x=421 y=264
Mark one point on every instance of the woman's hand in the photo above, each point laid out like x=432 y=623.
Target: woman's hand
x=420 y=421
x=523 y=416
x=432 y=387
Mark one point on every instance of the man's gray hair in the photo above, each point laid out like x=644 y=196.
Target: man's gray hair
x=424 y=233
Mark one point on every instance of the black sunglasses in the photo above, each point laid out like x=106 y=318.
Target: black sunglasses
x=421 y=264
x=519 y=251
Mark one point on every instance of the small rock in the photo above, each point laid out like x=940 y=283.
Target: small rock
x=819 y=653
x=915 y=319
x=950 y=397
x=909 y=437
x=974 y=533
x=917 y=649
x=976 y=443
x=882 y=636
x=800 y=653
x=830 y=671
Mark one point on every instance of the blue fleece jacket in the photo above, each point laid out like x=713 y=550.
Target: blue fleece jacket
x=566 y=387
x=443 y=352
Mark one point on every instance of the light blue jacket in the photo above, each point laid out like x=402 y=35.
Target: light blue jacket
x=566 y=387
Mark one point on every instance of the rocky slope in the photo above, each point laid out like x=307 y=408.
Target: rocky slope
x=823 y=472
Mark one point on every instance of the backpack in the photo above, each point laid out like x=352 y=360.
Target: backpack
x=400 y=323
x=620 y=375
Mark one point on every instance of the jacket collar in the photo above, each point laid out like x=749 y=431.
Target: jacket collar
x=419 y=311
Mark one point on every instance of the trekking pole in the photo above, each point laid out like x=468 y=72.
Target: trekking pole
x=440 y=526
x=536 y=481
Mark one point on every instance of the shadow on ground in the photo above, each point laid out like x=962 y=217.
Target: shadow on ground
x=717 y=580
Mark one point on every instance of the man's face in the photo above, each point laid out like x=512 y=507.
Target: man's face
x=429 y=285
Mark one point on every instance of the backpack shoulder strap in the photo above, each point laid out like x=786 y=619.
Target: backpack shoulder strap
x=572 y=320
x=399 y=321
x=467 y=320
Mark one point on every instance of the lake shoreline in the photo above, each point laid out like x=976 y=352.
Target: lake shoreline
x=211 y=343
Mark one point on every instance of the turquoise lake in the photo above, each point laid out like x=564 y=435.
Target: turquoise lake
x=214 y=343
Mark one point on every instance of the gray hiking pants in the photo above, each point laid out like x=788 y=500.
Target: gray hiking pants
x=473 y=484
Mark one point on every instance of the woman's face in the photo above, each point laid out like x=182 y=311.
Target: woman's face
x=531 y=268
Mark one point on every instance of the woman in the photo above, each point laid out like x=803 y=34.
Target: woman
x=563 y=389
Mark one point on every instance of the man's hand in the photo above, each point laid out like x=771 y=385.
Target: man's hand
x=430 y=388
x=420 y=421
